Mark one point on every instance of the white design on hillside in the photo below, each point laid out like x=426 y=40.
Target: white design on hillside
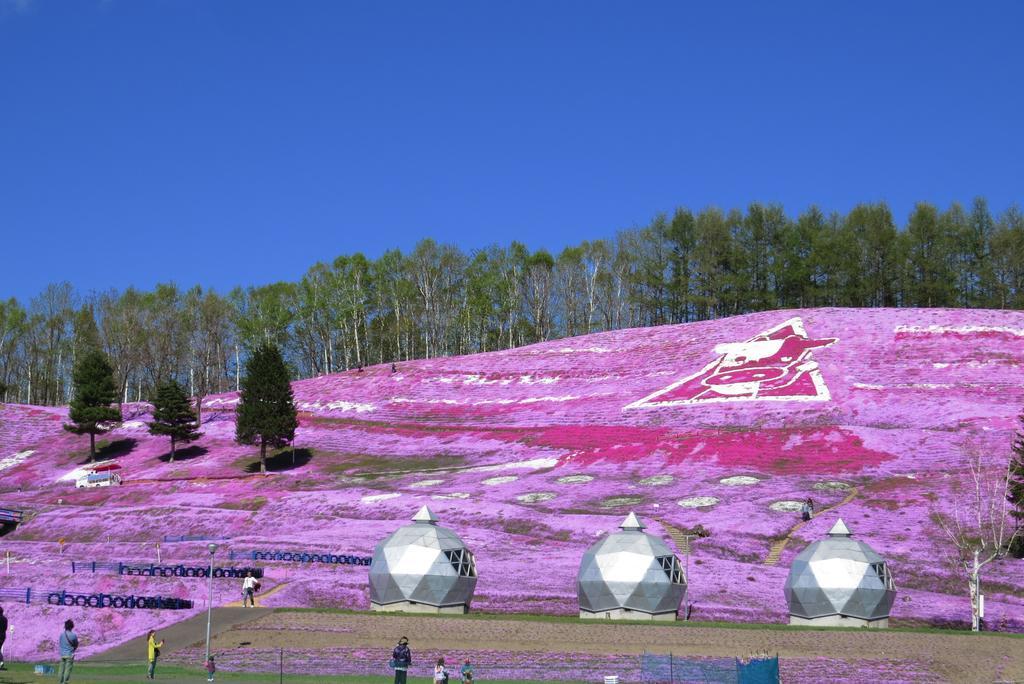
x=774 y=365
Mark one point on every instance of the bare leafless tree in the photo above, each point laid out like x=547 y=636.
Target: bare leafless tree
x=978 y=527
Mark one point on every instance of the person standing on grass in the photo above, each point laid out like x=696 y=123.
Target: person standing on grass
x=440 y=672
x=211 y=668
x=466 y=671
x=3 y=637
x=401 y=659
x=154 y=652
x=249 y=590
x=68 y=643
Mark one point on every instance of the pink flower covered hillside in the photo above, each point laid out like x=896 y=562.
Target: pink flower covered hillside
x=723 y=426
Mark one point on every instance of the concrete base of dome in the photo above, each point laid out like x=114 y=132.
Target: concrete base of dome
x=839 y=621
x=626 y=614
x=413 y=607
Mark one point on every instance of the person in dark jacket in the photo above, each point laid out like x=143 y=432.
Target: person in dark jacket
x=401 y=659
x=3 y=637
x=807 y=510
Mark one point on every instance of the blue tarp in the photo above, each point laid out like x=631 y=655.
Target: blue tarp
x=664 y=669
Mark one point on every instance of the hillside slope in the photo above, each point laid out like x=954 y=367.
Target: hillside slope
x=531 y=453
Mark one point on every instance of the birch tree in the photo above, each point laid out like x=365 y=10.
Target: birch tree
x=979 y=528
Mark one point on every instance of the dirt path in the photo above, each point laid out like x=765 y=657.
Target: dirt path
x=954 y=657
x=182 y=635
x=778 y=547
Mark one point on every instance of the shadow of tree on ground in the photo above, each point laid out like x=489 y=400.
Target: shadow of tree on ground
x=286 y=460
x=186 y=454
x=119 y=447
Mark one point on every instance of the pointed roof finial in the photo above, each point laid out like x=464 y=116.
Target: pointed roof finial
x=425 y=515
x=839 y=529
x=631 y=523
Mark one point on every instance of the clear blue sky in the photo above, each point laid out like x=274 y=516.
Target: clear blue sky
x=225 y=143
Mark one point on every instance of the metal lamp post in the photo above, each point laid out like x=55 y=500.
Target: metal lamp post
x=687 y=538
x=209 y=606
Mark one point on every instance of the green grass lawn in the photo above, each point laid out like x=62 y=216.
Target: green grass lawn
x=22 y=673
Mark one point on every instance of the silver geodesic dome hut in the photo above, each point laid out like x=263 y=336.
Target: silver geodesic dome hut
x=630 y=575
x=423 y=568
x=839 y=581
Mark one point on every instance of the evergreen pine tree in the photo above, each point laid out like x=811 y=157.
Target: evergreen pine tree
x=266 y=412
x=90 y=411
x=173 y=416
x=1016 y=489
x=86 y=334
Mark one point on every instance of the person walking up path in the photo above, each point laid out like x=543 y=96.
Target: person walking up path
x=68 y=645
x=153 y=649
x=401 y=659
x=249 y=586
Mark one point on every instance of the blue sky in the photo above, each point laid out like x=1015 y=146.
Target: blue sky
x=224 y=143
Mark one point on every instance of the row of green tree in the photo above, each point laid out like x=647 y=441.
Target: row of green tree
x=439 y=300
x=265 y=413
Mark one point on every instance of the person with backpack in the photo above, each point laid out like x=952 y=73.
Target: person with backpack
x=68 y=643
x=153 y=649
x=466 y=671
x=401 y=659
x=440 y=672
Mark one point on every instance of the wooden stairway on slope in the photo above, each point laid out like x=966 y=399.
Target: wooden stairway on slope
x=775 y=553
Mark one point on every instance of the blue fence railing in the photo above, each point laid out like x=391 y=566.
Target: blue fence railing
x=94 y=566
x=153 y=570
x=16 y=595
x=11 y=515
x=64 y=598
x=302 y=557
x=187 y=571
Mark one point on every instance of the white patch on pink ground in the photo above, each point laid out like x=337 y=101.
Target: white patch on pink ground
x=336 y=406
x=532 y=464
x=374 y=498
x=427 y=483
x=75 y=474
x=958 y=329
x=574 y=479
x=219 y=401
x=535 y=497
x=698 y=501
x=500 y=480
x=739 y=481
x=15 y=459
